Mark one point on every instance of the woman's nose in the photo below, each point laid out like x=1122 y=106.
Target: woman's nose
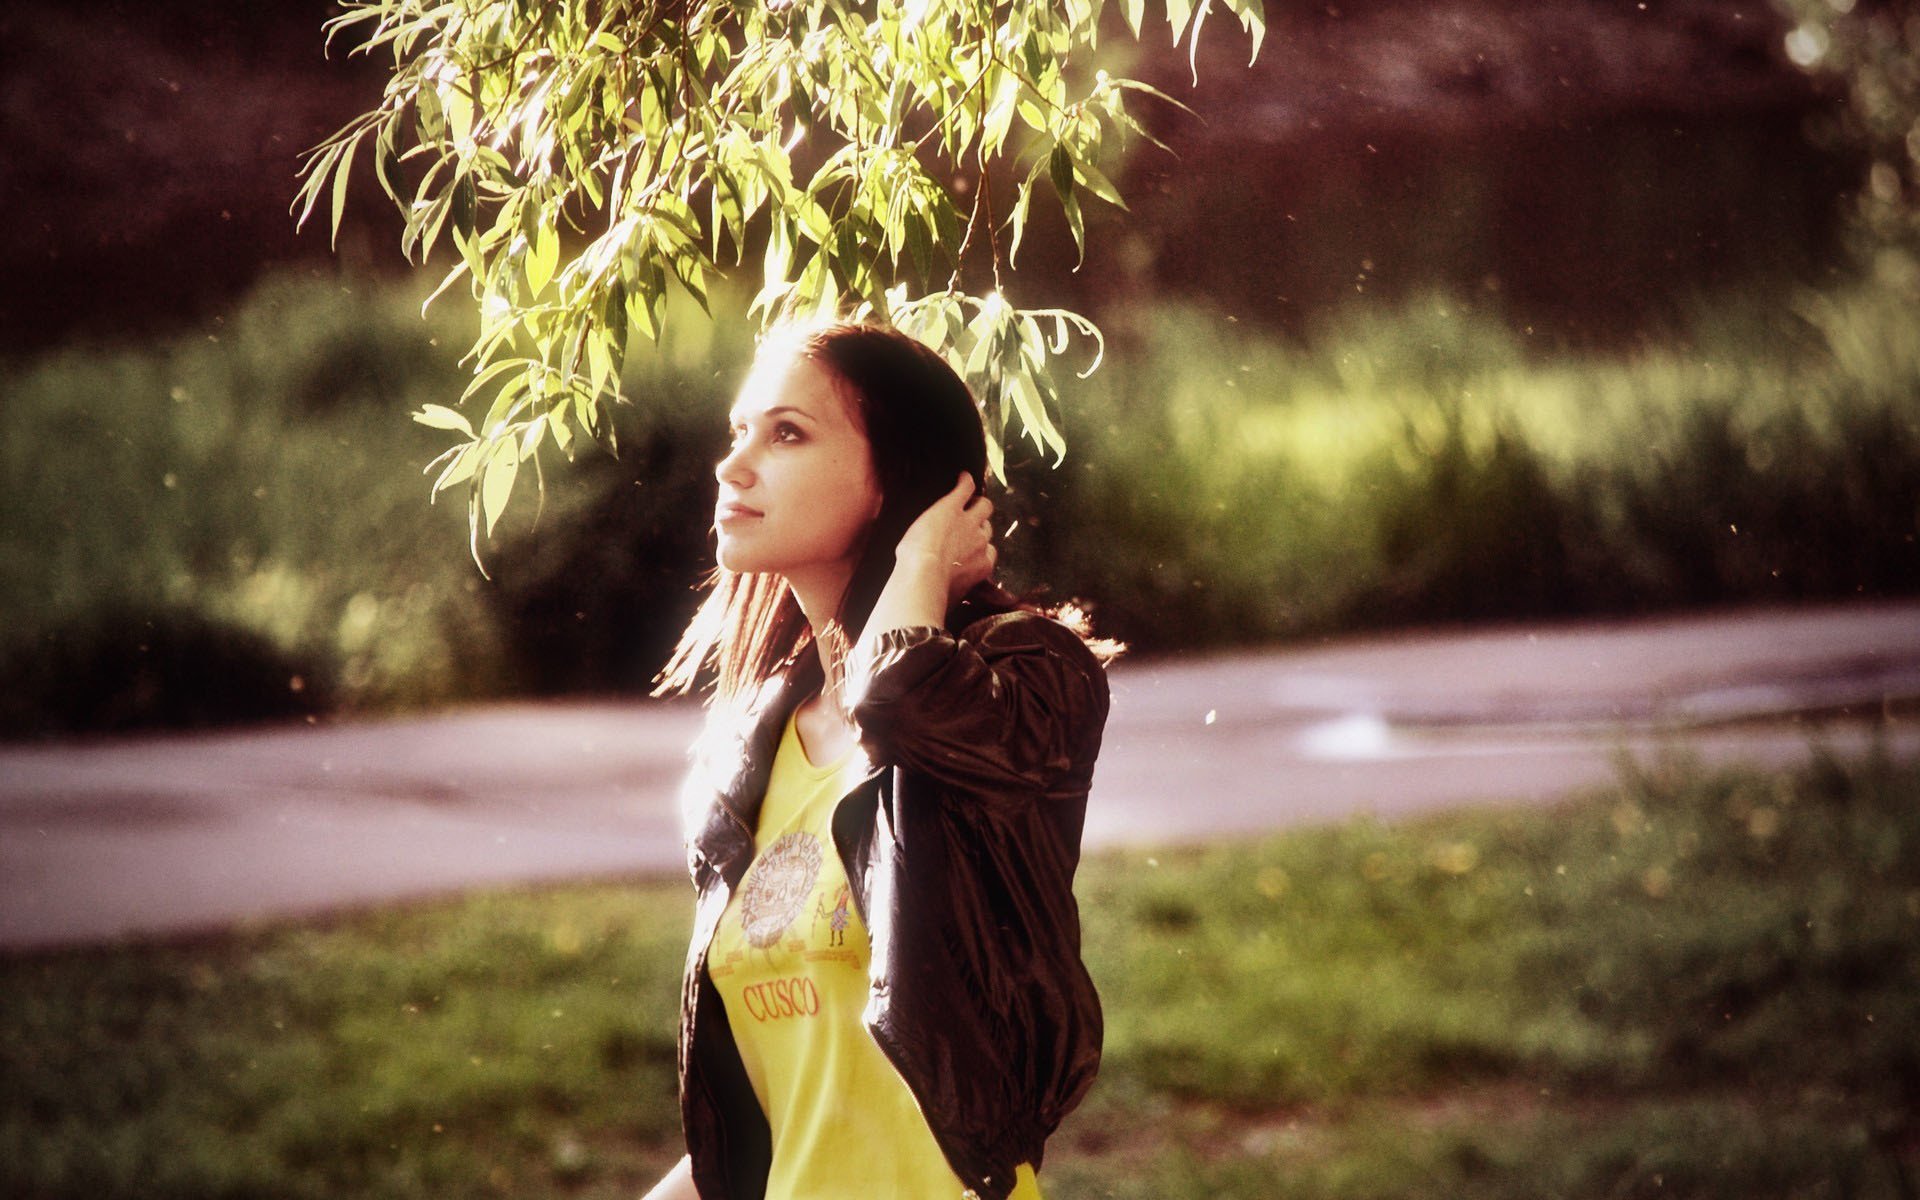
x=732 y=469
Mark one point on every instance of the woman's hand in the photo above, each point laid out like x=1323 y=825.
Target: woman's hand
x=942 y=555
x=952 y=540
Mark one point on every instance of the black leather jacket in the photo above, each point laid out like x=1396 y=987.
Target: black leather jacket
x=961 y=845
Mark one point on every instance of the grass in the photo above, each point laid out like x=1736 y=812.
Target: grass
x=1689 y=984
x=1705 y=979
x=504 y=1043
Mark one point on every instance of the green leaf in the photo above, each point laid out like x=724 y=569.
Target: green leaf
x=431 y=117
x=492 y=371
x=813 y=219
x=946 y=223
x=385 y=162
x=980 y=359
x=640 y=310
x=599 y=362
x=342 y=172
x=466 y=460
x=460 y=268
x=996 y=460
x=309 y=193
x=1060 y=170
x=1098 y=184
x=1060 y=167
x=1030 y=51
x=436 y=218
x=728 y=211
x=778 y=262
x=1253 y=19
x=465 y=203
x=508 y=401
x=530 y=440
x=439 y=416
x=999 y=115
x=1033 y=414
x=919 y=245
x=679 y=214
x=1022 y=200
x=1178 y=11
x=543 y=254
x=687 y=268
x=613 y=315
x=496 y=481
x=896 y=221
x=459 y=110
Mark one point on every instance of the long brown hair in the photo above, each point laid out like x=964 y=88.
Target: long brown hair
x=922 y=429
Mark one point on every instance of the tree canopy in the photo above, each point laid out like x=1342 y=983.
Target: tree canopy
x=585 y=156
x=1873 y=51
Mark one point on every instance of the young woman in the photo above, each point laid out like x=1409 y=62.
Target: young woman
x=884 y=994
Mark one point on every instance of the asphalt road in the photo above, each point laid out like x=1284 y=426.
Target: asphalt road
x=177 y=835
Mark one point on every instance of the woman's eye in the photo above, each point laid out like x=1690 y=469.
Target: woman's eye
x=786 y=431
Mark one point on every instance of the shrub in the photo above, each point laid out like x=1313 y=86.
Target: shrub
x=1425 y=466
x=1422 y=464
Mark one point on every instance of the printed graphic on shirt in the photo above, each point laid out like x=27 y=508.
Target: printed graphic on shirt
x=790 y=958
x=779 y=998
x=837 y=916
x=778 y=888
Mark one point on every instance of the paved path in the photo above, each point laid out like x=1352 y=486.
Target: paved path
x=179 y=834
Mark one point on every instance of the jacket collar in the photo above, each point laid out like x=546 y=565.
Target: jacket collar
x=740 y=761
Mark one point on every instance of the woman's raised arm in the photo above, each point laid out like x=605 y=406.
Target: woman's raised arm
x=946 y=550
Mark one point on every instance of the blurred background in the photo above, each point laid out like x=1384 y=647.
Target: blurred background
x=1441 y=312
x=1468 y=316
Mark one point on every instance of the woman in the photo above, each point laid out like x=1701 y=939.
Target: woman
x=884 y=995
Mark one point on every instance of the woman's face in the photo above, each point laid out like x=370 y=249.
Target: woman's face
x=797 y=490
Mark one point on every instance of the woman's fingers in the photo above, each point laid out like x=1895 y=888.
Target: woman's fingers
x=960 y=495
x=981 y=512
x=956 y=531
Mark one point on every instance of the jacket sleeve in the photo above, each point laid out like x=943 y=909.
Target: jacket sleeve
x=1008 y=708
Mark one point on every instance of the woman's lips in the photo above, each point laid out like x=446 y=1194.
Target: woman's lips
x=734 y=512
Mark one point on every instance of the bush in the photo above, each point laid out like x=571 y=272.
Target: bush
x=247 y=495
x=1425 y=464
x=123 y=668
x=256 y=493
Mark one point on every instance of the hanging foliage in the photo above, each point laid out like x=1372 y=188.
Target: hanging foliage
x=585 y=156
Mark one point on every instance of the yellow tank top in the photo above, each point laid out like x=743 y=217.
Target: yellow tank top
x=789 y=959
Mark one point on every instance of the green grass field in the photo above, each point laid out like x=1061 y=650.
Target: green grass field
x=1690 y=984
